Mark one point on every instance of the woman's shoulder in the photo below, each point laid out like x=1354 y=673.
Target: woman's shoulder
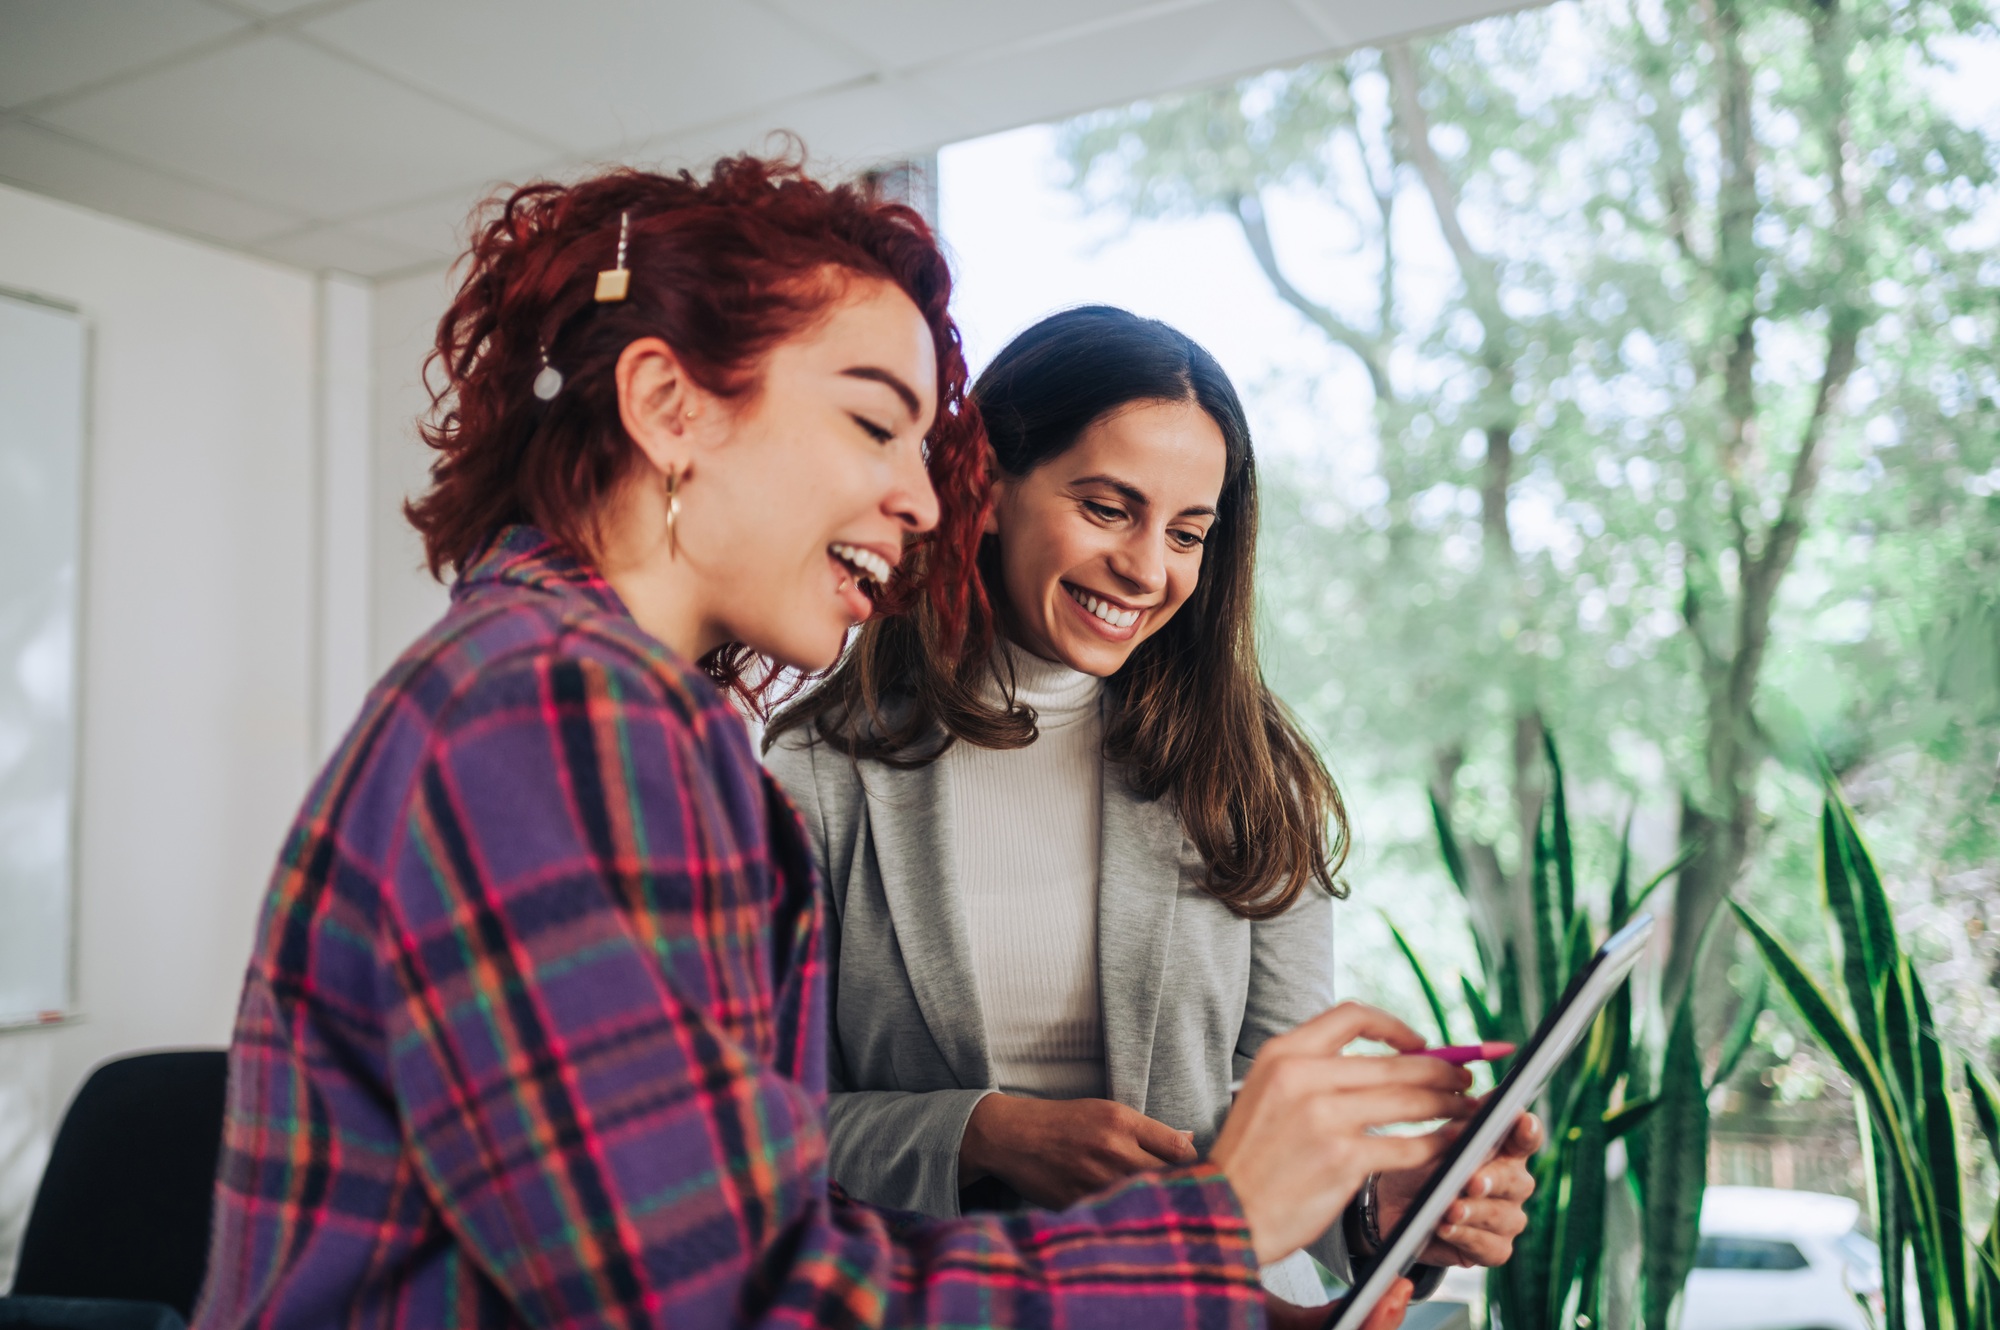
x=523 y=650
x=813 y=769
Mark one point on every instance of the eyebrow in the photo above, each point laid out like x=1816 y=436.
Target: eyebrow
x=1134 y=495
x=882 y=376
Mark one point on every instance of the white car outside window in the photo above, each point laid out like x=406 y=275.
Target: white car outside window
x=1781 y=1260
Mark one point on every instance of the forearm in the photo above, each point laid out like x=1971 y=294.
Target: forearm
x=900 y=1149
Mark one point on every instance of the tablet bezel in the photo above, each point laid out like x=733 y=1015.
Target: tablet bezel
x=1534 y=1064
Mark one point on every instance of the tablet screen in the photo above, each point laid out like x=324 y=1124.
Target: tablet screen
x=1484 y=1132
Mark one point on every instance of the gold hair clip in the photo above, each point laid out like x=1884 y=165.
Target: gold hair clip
x=613 y=283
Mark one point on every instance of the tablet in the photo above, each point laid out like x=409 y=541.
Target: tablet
x=1487 y=1129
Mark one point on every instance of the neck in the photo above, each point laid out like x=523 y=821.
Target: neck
x=663 y=593
x=1059 y=694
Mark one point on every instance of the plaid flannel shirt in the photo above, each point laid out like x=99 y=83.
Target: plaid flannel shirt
x=534 y=1033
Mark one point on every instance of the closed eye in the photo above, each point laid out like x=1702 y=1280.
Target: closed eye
x=1188 y=540
x=871 y=429
x=1102 y=512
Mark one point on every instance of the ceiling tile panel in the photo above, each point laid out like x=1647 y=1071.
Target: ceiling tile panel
x=437 y=228
x=275 y=120
x=49 y=163
x=593 y=74
x=843 y=130
x=357 y=134
x=900 y=33
x=49 y=47
x=1105 y=67
x=339 y=249
x=1353 y=24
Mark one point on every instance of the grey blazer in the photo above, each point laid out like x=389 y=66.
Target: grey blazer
x=1189 y=991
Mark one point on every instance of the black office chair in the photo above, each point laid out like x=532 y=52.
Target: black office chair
x=118 y=1237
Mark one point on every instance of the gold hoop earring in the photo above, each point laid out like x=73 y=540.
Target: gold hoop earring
x=673 y=478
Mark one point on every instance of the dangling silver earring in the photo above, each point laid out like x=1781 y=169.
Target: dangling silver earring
x=550 y=381
x=675 y=475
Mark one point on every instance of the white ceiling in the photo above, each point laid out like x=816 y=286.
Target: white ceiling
x=356 y=134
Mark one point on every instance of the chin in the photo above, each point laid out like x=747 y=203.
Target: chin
x=808 y=652
x=1102 y=659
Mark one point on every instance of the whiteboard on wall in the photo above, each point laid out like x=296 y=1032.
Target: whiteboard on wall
x=43 y=350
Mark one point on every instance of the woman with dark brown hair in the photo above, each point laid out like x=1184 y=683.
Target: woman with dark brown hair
x=534 y=1030
x=1082 y=858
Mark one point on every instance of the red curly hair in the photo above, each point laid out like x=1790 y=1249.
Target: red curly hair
x=723 y=270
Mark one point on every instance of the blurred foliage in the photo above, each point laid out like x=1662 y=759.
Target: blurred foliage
x=1676 y=323
x=1615 y=1088
x=1908 y=1078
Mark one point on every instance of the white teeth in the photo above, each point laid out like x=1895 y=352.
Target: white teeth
x=1104 y=610
x=870 y=563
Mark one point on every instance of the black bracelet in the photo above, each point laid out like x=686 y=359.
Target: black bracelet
x=1361 y=1223
x=1361 y=1227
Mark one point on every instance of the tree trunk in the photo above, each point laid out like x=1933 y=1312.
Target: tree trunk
x=1723 y=821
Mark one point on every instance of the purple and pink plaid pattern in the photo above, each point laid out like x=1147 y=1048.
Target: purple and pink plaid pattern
x=534 y=1032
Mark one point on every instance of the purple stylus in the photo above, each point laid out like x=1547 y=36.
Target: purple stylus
x=1460 y=1054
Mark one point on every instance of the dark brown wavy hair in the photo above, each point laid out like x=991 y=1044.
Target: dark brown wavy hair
x=722 y=270
x=1191 y=717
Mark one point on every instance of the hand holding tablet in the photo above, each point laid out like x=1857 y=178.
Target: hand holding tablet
x=1472 y=1146
x=1301 y=1138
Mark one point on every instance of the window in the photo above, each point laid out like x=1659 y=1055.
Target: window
x=1728 y=1253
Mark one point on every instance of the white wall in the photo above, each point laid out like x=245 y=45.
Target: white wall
x=199 y=624
x=404 y=599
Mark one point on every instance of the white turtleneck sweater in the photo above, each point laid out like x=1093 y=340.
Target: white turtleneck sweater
x=1028 y=826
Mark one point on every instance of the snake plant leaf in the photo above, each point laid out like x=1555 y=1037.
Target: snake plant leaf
x=1423 y=981
x=1985 y=1105
x=1619 y=1121
x=1454 y=864
x=1512 y=1015
x=1986 y=1112
x=1898 y=1045
x=1858 y=964
x=1741 y=1031
x=1940 y=1148
x=1688 y=851
x=1580 y=1206
x=1621 y=881
x=1573 y=1072
x=1565 y=857
x=1891 y=1230
x=1861 y=1067
x=1877 y=918
x=1676 y=1160
x=1547 y=928
x=1454 y=857
x=1484 y=1023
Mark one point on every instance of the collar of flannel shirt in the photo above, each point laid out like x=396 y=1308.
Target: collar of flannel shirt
x=525 y=556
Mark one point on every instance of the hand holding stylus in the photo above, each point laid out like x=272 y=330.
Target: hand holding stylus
x=1299 y=1140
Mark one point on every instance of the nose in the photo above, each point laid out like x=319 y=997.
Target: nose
x=913 y=502
x=1140 y=561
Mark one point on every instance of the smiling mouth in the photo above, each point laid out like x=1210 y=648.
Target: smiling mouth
x=1103 y=609
x=871 y=571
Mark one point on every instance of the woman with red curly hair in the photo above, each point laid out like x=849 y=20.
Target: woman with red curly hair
x=534 y=1032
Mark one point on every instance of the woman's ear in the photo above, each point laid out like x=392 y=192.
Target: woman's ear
x=995 y=490
x=656 y=402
